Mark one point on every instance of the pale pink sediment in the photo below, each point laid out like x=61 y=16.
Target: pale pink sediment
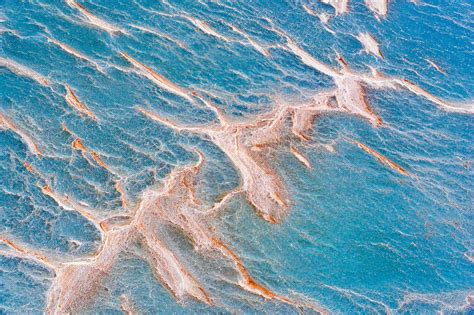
x=73 y=101
x=379 y=7
x=6 y=123
x=341 y=6
x=74 y=53
x=382 y=159
x=24 y=71
x=94 y=20
x=205 y=28
x=435 y=66
x=300 y=157
x=158 y=79
x=371 y=46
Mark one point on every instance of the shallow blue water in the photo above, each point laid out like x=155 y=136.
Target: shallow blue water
x=359 y=238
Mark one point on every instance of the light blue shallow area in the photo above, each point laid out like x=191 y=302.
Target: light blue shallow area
x=359 y=237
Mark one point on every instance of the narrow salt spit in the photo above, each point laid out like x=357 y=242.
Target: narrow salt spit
x=382 y=159
x=75 y=103
x=371 y=46
x=435 y=66
x=75 y=53
x=6 y=123
x=94 y=20
x=24 y=71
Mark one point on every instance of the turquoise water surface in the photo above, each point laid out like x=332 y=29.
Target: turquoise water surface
x=359 y=237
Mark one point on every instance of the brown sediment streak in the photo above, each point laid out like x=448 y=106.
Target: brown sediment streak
x=94 y=20
x=24 y=253
x=379 y=7
x=73 y=101
x=123 y=196
x=300 y=157
x=382 y=159
x=74 y=53
x=159 y=80
x=6 y=123
x=24 y=71
x=249 y=284
x=78 y=145
x=68 y=204
x=371 y=46
x=435 y=66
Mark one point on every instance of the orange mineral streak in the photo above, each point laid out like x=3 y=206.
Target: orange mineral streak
x=123 y=195
x=158 y=79
x=382 y=159
x=300 y=157
x=22 y=70
x=77 y=144
x=94 y=20
x=25 y=253
x=249 y=284
x=6 y=123
x=73 y=101
x=70 y=205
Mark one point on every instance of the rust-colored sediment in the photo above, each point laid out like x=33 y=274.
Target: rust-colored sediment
x=77 y=144
x=25 y=253
x=24 y=71
x=6 y=123
x=94 y=20
x=300 y=157
x=158 y=79
x=73 y=101
x=382 y=159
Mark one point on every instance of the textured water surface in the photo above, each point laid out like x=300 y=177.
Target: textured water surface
x=223 y=156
